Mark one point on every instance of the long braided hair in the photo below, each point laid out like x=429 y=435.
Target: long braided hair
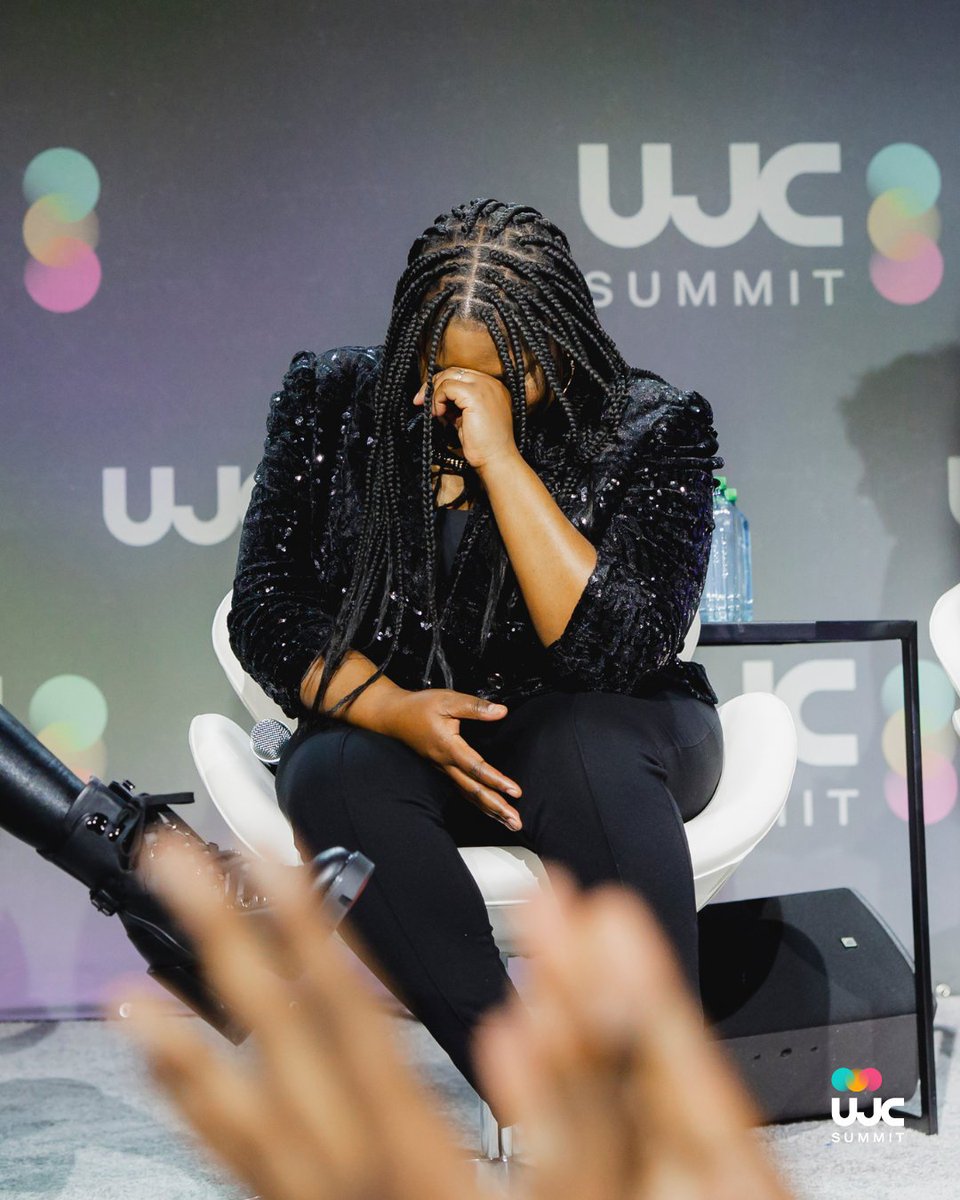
x=509 y=267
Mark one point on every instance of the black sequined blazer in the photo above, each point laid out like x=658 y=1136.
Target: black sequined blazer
x=645 y=503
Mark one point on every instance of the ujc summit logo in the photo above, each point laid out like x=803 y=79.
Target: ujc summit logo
x=867 y=1079
x=903 y=223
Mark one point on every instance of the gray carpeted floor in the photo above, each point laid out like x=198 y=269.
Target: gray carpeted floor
x=80 y=1118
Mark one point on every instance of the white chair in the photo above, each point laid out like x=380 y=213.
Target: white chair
x=760 y=755
x=945 y=636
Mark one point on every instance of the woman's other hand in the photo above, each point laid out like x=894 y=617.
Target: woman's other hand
x=327 y=1109
x=617 y=1088
x=428 y=721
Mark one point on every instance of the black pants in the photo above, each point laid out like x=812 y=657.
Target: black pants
x=607 y=782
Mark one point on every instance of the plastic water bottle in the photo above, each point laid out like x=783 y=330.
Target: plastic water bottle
x=733 y=606
x=746 y=565
x=721 y=600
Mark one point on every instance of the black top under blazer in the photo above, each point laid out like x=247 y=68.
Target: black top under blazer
x=645 y=502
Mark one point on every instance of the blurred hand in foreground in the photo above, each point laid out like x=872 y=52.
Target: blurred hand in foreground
x=618 y=1091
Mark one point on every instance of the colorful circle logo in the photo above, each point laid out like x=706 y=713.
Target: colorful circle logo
x=68 y=714
x=904 y=224
x=937 y=742
x=846 y=1080
x=61 y=230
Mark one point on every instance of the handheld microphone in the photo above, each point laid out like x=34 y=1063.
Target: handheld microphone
x=267 y=740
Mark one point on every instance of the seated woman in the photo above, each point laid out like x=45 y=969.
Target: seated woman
x=469 y=561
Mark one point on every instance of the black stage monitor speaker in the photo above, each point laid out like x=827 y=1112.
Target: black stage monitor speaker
x=797 y=986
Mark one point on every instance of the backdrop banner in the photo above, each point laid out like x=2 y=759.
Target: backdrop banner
x=191 y=193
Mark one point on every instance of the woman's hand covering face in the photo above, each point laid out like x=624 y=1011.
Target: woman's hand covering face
x=479 y=408
x=470 y=393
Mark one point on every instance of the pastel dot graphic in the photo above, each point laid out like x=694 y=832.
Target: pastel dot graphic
x=937 y=700
x=69 y=175
x=74 y=705
x=841 y=1078
x=873 y=1078
x=899 y=231
x=905 y=164
x=908 y=282
x=61 y=229
x=939 y=790
x=903 y=223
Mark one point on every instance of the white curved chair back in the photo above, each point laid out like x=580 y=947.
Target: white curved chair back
x=945 y=636
x=254 y=699
x=760 y=756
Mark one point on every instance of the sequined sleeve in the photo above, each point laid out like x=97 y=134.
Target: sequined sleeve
x=644 y=591
x=276 y=625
